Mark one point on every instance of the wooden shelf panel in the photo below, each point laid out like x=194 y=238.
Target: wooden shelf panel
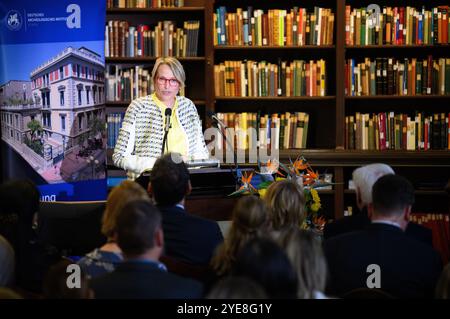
x=274 y=98
x=149 y=59
x=419 y=192
x=396 y=97
x=274 y=47
x=358 y=158
x=126 y=103
x=157 y=10
x=393 y=46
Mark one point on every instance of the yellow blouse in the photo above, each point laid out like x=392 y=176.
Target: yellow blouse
x=176 y=138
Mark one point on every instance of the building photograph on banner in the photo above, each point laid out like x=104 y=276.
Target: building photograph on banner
x=52 y=96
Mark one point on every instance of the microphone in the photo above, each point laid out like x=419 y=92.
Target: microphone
x=216 y=120
x=168 y=114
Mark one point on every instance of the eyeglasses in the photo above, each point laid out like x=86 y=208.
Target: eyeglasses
x=163 y=81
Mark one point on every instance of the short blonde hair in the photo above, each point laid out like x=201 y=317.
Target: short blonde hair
x=286 y=203
x=174 y=65
x=126 y=192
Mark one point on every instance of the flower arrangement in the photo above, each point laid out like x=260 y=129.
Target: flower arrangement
x=301 y=172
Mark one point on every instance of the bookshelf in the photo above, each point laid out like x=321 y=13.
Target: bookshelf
x=326 y=144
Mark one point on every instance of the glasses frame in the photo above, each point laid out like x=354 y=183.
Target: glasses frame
x=172 y=82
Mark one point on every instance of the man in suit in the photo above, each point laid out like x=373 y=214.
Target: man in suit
x=141 y=275
x=363 y=179
x=187 y=237
x=382 y=256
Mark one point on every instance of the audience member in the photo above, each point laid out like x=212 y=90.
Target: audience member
x=59 y=278
x=264 y=262
x=363 y=179
x=18 y=212
x=104 y=259
x=286 y=205
x=237 y=288
x=7 y=263
x=141 y=275
x=187 y=237
x=304 y=250
x=382 y=256
x=443 y=285
x=248 y=219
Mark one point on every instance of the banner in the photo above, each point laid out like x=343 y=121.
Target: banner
x=52 y=96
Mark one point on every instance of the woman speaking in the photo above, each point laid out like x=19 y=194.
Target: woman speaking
x=160 y=118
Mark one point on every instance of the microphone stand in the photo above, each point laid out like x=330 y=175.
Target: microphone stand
x=218 y=124
x=168 y=114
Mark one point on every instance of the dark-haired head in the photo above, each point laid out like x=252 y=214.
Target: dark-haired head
x=139 y=229
x=393 y=197
x=263 y=261
x=19 y=204
x=169 y=180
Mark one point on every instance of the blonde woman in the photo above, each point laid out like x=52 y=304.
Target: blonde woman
x=140 y=140
x=103 y=260
x=249 y=218
x=286 y=205
x=304 y=250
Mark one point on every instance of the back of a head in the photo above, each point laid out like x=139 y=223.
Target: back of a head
x=20 y=197
x=137 y=224
x=56 y=283
x=286 y=204
x=391 y=194
x=169 y=179
x=249 y=215
x=248 y=220
x=365 y=177
x=263 y=261
x=237 y=288
x=19 y=202
x=305 y=252
x=120 y=195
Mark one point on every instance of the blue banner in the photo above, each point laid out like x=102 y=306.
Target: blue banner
x=52 y=96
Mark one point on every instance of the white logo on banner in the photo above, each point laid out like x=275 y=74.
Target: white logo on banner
x=74 y=20
x=14 y=20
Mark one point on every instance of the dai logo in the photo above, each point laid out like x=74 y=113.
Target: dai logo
x=14 y=20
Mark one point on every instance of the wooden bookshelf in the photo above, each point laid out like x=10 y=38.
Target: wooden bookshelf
x=326 y=149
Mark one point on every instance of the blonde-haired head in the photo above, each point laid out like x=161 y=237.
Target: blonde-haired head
x=122 y=194
x=286 y=204
x=174 y=65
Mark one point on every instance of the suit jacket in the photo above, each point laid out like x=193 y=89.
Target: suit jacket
x=361 y=221
x=141 y=280
x=189 y=237
x=409 y=268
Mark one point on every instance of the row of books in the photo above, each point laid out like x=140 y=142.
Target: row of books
x=390 y=76
x=276 y=27
x=144 y=3
x=127 y=83
x=397 y=25
x=123 y=40
x=286 y=130
x=440 y=228
x=113 y=125
x=252 y=78
x=391 y=131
